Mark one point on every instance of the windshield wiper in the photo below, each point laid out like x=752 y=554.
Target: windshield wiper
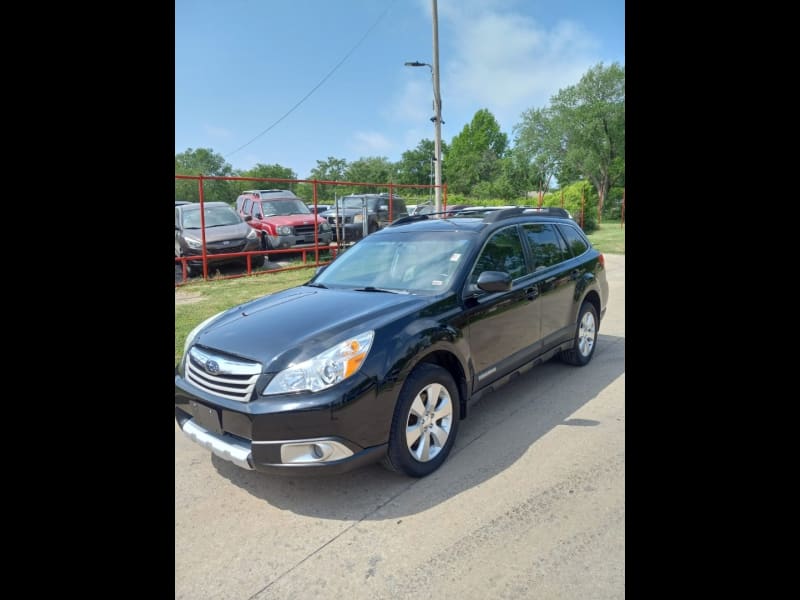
x=369 y=288
x=317 y=285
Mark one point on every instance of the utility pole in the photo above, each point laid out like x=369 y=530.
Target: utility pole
x=437 y=99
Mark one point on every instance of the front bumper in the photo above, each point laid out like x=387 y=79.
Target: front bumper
x=351 y=231
x=213 y=252
x=294 y=241
x=332 y=431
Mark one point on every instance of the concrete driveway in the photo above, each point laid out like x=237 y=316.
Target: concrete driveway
x=530 y=504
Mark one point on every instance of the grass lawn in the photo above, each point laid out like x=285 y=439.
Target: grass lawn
x=609 y=238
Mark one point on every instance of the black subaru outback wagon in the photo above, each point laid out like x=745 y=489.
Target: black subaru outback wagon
x=375 y=358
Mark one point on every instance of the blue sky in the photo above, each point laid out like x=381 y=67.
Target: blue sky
x=240 y=65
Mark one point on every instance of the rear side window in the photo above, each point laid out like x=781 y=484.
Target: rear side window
x=575 y=240
x=247 y=204
x=503 y=252
x=547 y=247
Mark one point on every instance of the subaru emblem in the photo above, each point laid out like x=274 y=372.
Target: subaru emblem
x=212 y=367
x=226 y=243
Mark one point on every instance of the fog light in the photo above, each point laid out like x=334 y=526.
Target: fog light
x=313 y=452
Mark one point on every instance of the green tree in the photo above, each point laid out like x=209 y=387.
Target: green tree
x=203 y=161
x=575 y=195
x=537 y=149
x=416 y=166
x=582 y=133
x=333 y=169
x=371 y=169
x=275 y=171
x=475 y=153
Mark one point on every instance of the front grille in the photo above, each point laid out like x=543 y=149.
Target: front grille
x=230 y=379
x=217 y=249
x=304 y=230
x=332 y=220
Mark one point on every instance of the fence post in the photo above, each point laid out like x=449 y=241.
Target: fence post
x=391 y=201
x=622 y=214
x=203 y=228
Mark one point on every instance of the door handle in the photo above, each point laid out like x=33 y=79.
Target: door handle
x=532 y=292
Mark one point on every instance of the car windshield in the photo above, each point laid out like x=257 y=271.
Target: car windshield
x=418 y=262
x=350 y=202
x=216 y=216
x=284 y=206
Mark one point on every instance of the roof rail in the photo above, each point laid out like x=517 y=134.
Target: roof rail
x=505 y=213
x=408 y=219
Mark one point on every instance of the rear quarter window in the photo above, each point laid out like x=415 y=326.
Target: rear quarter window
x=576 y=242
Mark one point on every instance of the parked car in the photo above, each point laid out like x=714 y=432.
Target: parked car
x=376 y=357
x=282 y=219
x=226 y=232
x=349 y=210
x=320 y=208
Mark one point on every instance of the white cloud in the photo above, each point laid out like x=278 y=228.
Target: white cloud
x=370 y=143
x=503 y=60
x=217 y=132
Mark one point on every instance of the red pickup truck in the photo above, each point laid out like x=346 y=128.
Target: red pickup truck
x=283 y=219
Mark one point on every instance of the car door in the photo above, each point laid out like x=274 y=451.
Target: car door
x=555 y=277
x=503 y=327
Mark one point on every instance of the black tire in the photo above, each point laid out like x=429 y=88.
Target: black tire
x=257 y=261
x=265 y=243
x=437 y=428
x=585 y=337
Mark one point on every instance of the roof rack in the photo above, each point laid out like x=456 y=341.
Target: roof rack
x=504 y=213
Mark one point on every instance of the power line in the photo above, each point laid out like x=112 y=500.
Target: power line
x=324 y=79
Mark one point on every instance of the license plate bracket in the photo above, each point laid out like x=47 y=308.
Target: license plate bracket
x=207 y=417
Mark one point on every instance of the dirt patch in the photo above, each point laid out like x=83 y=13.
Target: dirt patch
x=187 y=297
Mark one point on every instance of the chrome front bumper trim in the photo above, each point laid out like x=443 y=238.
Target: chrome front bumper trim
x=225 y=446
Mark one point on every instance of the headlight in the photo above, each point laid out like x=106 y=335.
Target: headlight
x=359 y=218
x=324 y=227
x=193 y=243
x=193 y=333
x=284 y=230
x=324 y=370
x=251 y=235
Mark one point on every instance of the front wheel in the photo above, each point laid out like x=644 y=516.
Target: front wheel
x=585 y=337
x=425 y=422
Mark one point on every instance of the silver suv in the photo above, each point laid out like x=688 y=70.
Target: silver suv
x=226 y=232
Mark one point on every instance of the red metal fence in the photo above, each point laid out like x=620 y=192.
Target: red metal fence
x=317 y=249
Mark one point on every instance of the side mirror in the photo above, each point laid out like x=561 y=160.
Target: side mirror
x=494 y=281
x=177 y=228
x=248 y=218
x=258 y=216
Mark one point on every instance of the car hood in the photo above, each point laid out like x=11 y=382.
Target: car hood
x=296 y=324
x=308 y=219
x=342 y=211
x=223 y=232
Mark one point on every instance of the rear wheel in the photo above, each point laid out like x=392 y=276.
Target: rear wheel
x=425 y=422
x=585 y=337
x=257 y=261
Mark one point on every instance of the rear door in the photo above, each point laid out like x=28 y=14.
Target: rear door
x=503 y=327
x=555 y=277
